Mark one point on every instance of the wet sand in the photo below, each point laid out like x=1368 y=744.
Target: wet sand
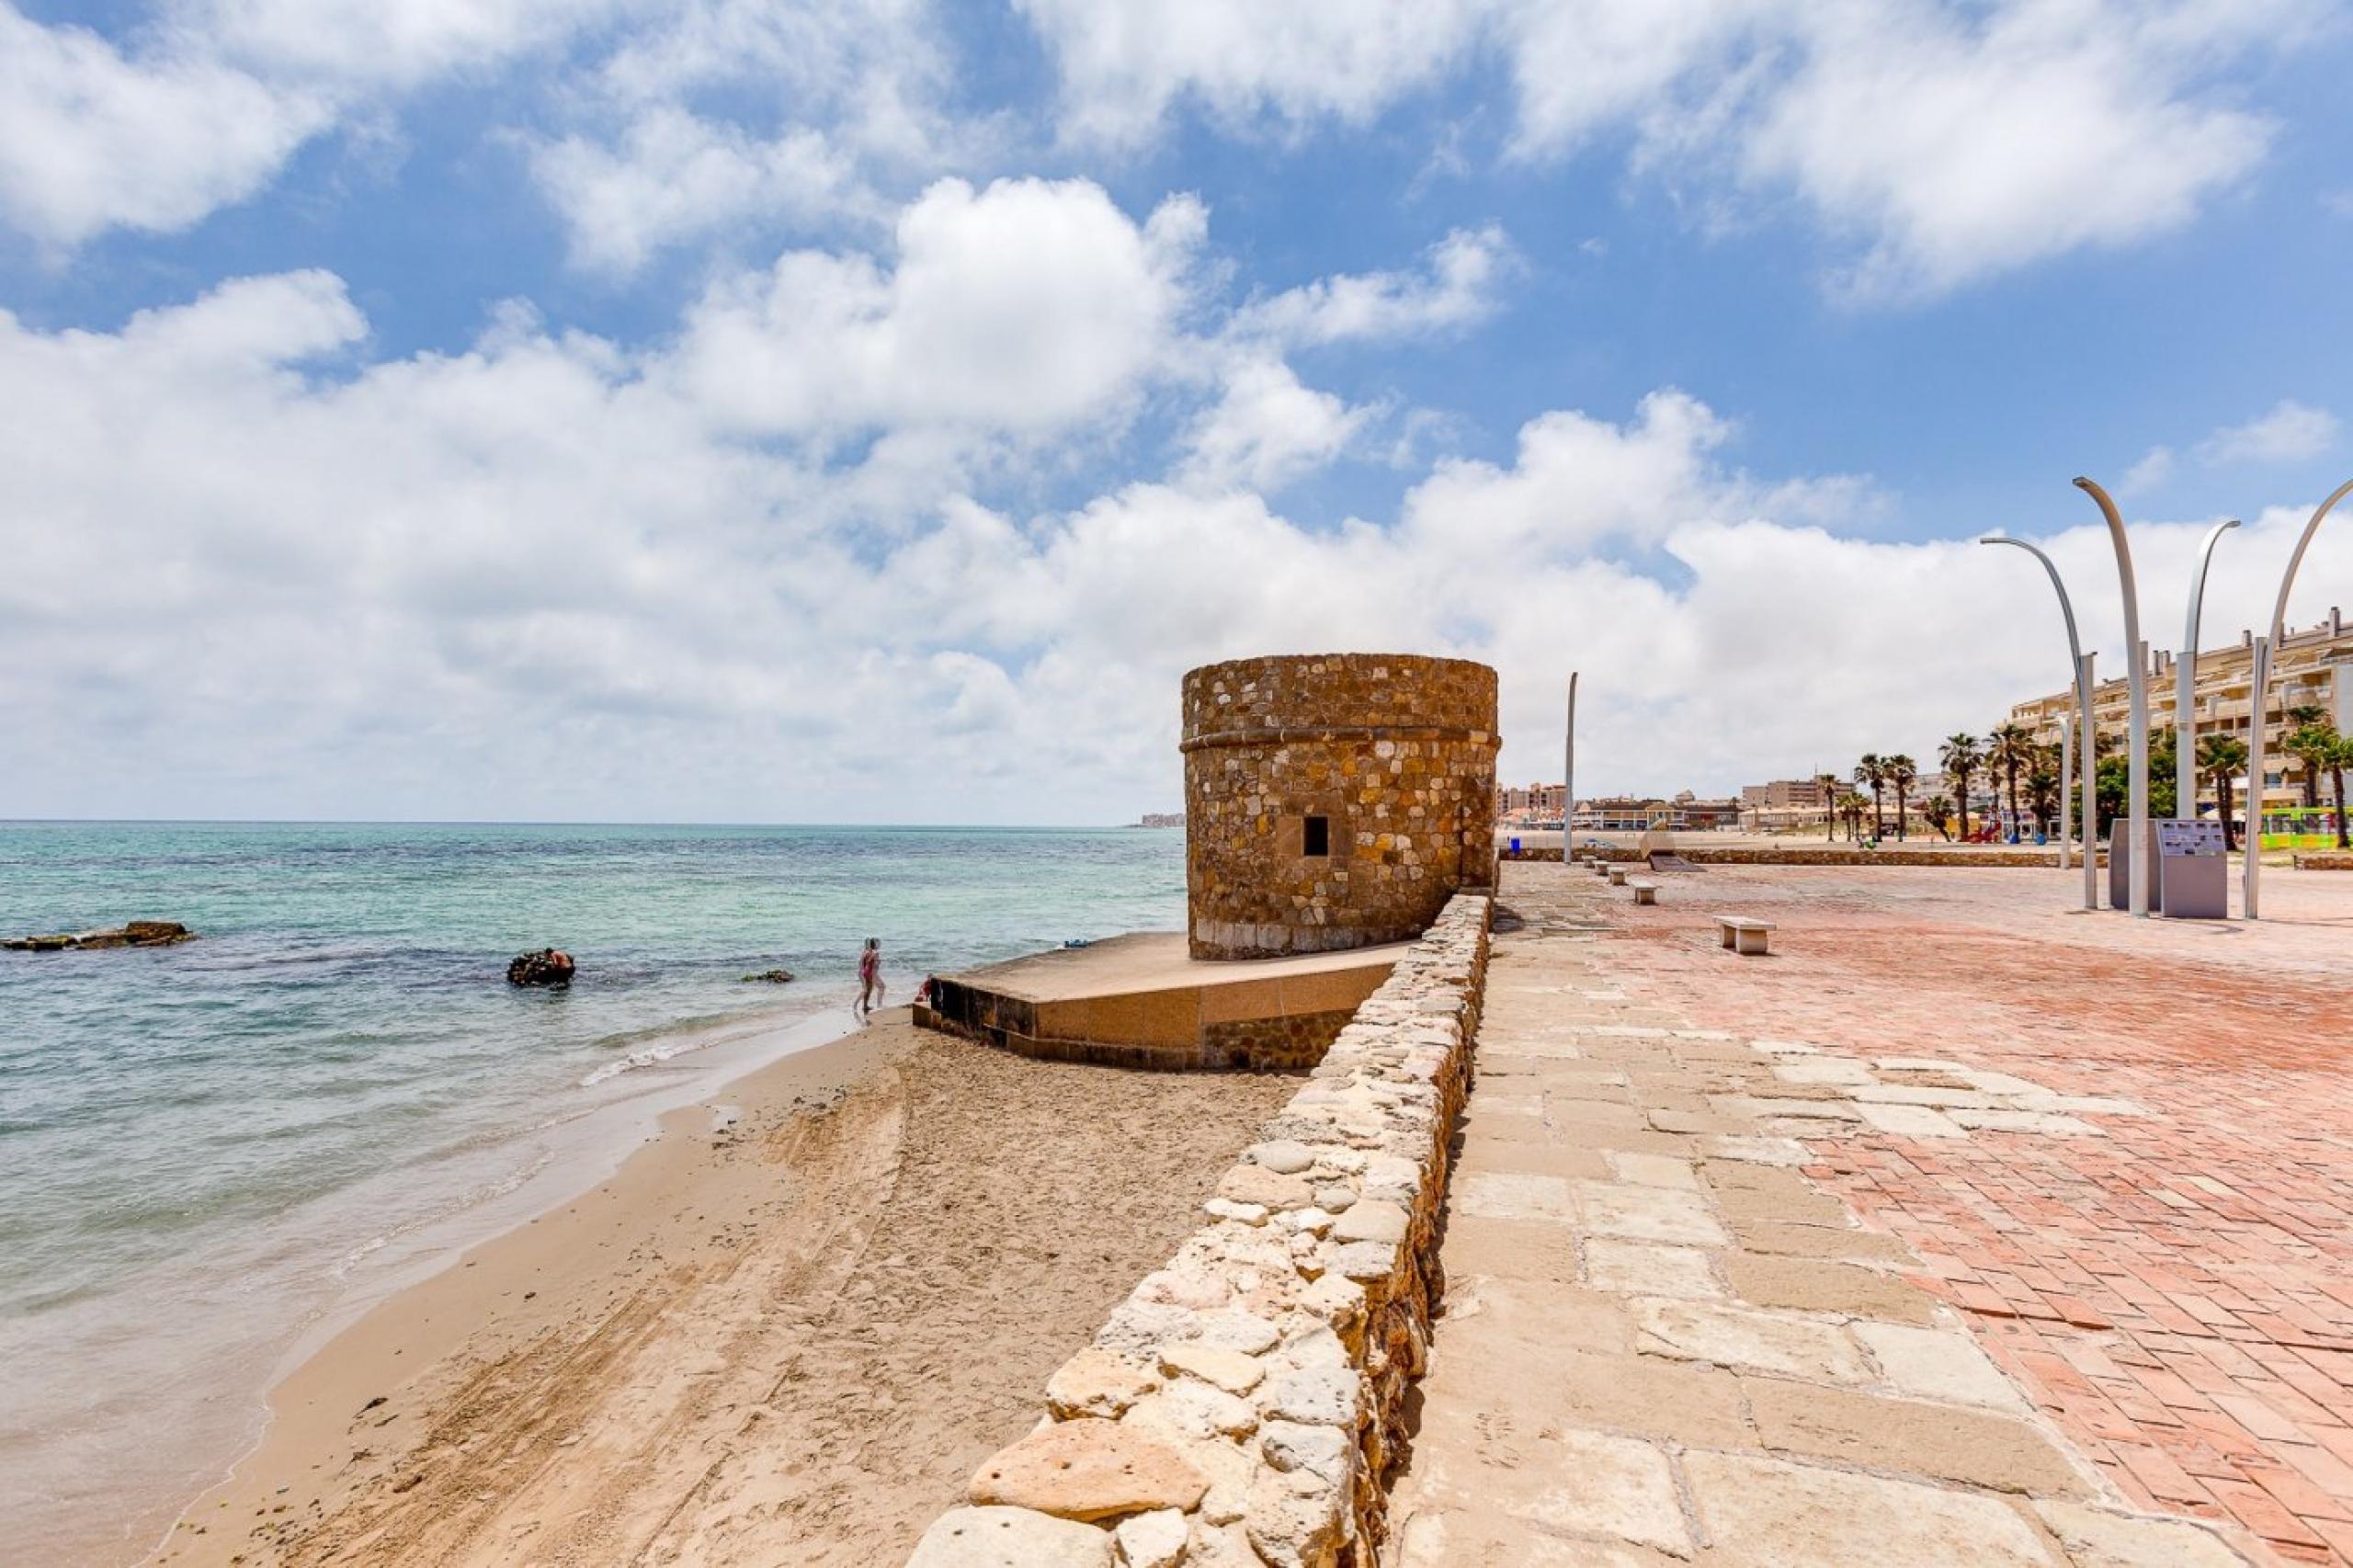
x=786 y=1331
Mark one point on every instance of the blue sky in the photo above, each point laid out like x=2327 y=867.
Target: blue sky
x=760 y=411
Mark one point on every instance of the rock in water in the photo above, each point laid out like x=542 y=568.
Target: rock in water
x=773 y=976
x=549 y=966
x=131 y=934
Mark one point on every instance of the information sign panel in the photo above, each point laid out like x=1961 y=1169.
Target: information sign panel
x=2195 y=882
x=2179 y=836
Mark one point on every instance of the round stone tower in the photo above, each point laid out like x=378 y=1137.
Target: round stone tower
x=1333 y=801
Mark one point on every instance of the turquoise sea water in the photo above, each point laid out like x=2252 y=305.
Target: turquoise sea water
x=205 y=1148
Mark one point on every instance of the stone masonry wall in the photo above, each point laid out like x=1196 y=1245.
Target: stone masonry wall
x=1394 y=753
x=1242 y=1406
x=1296 y=1041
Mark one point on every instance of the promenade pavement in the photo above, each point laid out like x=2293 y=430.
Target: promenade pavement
x=1938 y=1237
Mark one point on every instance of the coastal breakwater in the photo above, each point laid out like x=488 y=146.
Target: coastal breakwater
x=1244 y=1404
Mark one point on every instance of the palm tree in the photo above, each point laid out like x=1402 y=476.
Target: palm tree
x=2012 y=748
x=1902 y=774
x=1938 y=809
x=2042 y=790
x=1850 y=806
x=2307 y=740
x=1828 y=784
x=1961 y=758
x=2223 y=756
x=1871 y=770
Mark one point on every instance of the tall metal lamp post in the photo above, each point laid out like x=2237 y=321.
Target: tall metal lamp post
x=2264 y=652
x=2082 y=664
x=2185 y=687
x=1569 y=779
x=2137 y=740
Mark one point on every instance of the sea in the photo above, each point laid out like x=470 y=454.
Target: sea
x=212 y=1154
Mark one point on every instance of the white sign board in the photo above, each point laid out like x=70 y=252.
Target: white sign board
x=2179 y=837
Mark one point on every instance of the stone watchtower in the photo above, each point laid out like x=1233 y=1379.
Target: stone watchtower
x=1333 y=801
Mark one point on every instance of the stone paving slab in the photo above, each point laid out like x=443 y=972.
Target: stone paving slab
x=2149 y=1221
x=1665 y=1338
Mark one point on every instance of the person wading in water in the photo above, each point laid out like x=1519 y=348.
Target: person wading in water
x=870 y=977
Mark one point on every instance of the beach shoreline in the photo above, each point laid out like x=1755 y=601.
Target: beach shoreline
x=783 y=1329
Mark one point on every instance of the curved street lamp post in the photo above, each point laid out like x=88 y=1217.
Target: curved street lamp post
x=2185 y=687
x=2264 y=651
x=2137 y=810
x=2081 y=663
x=1569 y=777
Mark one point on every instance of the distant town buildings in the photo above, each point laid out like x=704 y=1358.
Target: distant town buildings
x=1783 y=804
x=1538 y=806
x=2311 y=668
x=1159 y=819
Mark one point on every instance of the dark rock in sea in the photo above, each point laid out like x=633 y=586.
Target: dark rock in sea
x=546 y=967
x=131 y=934
x=773 y=976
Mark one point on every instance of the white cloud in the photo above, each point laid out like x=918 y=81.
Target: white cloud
x=90 y=140
x=838 y=107
x=1963 y=148
x=2155 y=467
x=386 y=42
x=765 y=569
x=2289 y=433
x=1124 y=66
x=1942 y=141
x=1268 y=429
x=1466 y=269
x=672 y=177
x=1024 y=308
x=829 y=100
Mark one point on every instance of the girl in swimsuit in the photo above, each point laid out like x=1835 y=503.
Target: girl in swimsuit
x=870 y=977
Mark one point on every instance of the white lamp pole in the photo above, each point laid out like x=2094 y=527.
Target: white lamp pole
x=2084 y=685
x=2184 y=684
x=2066 y=777
x=2259 y=696
x=2082 y=666
x=2255 y=765
x=1569 y=778
x=2137 y=737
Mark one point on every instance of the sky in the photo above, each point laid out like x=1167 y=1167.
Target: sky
x=865 y=410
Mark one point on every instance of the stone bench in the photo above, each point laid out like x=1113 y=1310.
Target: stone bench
x=1645 y=892
x=1744 y=935
x=1617 y=875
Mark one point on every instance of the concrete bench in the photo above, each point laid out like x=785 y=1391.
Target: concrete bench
x=1600 y=867
x=1645 y=892
x=1617 y=875
x=1742 y=935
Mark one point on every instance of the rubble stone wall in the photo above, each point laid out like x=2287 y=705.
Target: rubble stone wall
x=1393 y=754
x=1298 y=1040
x=1241 y=1408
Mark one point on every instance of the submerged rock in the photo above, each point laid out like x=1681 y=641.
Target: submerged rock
x=131 y=934
x=546 y=967
x=773 y=976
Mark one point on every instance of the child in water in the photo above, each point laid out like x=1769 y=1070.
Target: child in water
x=870 y=977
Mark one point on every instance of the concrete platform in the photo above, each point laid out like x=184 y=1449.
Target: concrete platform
x=1139 y=1001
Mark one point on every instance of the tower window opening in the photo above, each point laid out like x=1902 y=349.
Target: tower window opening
x=1315 y=836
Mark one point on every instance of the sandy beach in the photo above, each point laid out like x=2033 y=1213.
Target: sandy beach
x=785 y=1330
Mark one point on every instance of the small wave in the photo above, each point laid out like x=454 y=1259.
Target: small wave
x=651 y=1056
x=457 y=1203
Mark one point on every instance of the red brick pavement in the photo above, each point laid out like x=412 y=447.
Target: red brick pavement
x=2177 y=1295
